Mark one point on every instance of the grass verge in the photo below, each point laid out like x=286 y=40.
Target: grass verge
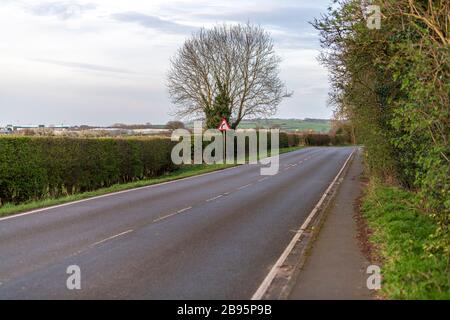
x=183 y=172
x=401 y=234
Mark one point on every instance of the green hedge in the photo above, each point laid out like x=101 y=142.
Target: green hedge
x=293 y=140
x=286 y=140
x=320 y=139
x=33 y=168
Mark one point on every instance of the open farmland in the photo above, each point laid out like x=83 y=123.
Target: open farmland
x=317 y=125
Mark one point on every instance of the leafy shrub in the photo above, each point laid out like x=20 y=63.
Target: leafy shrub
x=393 y=85
x=32 y=168
x=286 y=140
x=317 y=139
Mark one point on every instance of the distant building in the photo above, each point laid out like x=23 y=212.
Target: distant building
x=13 y=127
x=5 y=131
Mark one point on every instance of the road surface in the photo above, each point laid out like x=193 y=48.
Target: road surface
x=214 y=236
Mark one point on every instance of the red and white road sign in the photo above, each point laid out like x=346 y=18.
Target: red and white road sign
x=224 y=125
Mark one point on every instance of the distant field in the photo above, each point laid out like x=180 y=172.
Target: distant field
x=289 y=124
x=318 y=125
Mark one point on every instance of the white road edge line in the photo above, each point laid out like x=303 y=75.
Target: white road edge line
x=110 y=238
x=113 y=194
x=261 y=291
x=263 y=179
x=126 y=191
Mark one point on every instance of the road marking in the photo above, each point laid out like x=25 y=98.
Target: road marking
x=171 y=214
x=130 y=190
x=165 y=217
x=184 y=209
x=243 y=187
x=262 y=289
x=110 y=238
x=262 y=179
x=215 y=198
x=113 y=194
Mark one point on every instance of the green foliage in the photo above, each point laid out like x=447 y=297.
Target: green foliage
x=287 y=140
x=393 y=84
x=178 y=173
x=315 y=139
x=402 y=235
x=293 y=140
x=318 y=139
x=317 y=125
x=220 y=109
x=33 y=168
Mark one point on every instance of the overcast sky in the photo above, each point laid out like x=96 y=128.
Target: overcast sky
x=100 y=62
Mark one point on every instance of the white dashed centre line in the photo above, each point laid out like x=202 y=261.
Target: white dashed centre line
x=110 y=238
x=184 y=209
x=171 y=214
x=247 y=185
x=165 y=217
x=214 y=198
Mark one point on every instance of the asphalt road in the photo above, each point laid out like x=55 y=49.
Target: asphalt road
x=214 y=236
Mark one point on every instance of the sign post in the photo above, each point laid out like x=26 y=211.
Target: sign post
x=224 y=127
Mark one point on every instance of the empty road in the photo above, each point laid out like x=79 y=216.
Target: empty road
x=214 y=236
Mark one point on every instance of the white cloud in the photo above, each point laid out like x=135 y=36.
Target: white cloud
x=61 y=9
x=105 y=61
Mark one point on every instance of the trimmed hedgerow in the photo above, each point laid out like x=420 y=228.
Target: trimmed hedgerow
x=33 y=168
x=320 y=139
x=289 y=140
x=286 y=140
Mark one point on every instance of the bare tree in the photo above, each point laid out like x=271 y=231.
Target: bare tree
x=237 y=58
